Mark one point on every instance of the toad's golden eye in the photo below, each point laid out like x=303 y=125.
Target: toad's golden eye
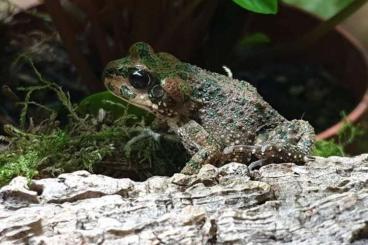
x=139 y=79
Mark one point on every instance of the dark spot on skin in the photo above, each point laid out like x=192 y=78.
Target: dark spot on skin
x=230 y=120
x=239 y=125
x=259 y=107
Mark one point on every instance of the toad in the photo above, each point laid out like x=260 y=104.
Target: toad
x=219 y=119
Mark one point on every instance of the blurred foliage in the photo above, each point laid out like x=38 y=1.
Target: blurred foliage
x=322 y=8
x=327 y=148
x=337 y=146
x=115 y=106
x=256 y=38
x=259 y=6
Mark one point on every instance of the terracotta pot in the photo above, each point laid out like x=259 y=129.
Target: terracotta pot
x=339 y=52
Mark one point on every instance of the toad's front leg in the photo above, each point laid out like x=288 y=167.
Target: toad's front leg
x=200 y=143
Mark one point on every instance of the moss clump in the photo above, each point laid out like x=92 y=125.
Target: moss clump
x=118 y=149
x=327 y=148
x=122 y=146
x=337 y=146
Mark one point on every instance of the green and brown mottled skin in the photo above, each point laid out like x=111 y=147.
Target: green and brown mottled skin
x=218 y=118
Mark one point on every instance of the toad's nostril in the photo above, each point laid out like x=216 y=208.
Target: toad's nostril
x=109 y=85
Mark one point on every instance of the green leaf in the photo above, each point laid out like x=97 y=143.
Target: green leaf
x=324 y=9
x=112 y=104
x=254 y=39
x=259 y=6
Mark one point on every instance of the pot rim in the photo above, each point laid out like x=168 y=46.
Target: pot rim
x=362 y=107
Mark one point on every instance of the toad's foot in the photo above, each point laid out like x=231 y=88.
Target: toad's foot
x=205 y=155
x=195 y=136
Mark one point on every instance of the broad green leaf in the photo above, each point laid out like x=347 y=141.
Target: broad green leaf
x=254 y=39
x=112 y=104
x=259 y=6
x=322 y=8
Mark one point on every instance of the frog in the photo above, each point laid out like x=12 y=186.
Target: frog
x=218 y=119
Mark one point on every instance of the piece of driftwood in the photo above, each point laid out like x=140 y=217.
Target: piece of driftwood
x=322 y=202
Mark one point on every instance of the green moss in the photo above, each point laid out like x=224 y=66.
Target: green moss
x=14 y=165
x=327 y=148
x=131 y=151
x=337 y=146
x=108 y=143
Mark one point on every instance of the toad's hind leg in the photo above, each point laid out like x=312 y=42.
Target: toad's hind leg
x=289 y=142
x=259 y=155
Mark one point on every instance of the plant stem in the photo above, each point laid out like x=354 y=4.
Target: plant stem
x=326 y=26
x=300 y=45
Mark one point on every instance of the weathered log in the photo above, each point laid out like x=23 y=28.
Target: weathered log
x=322 y=202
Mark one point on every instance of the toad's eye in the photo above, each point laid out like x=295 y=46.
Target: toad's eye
x=139 y=79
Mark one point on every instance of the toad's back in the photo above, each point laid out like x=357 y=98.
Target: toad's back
x=233 y=111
